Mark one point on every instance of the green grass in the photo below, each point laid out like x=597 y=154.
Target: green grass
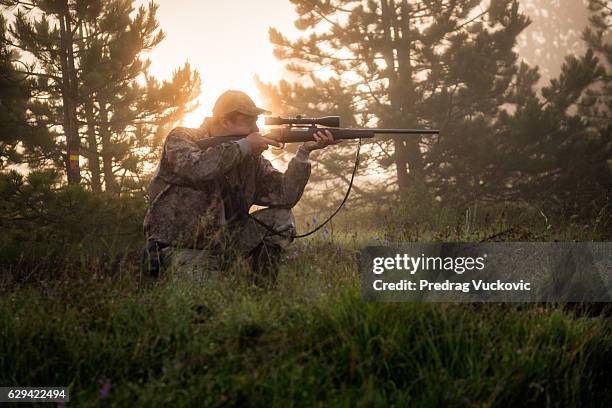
x=310 y=341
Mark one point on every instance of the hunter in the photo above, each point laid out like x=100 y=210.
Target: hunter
x=198 y=218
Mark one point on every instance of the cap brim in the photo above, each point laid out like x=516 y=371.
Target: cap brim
x=254 y=111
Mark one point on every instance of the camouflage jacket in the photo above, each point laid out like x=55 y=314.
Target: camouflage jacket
x=195 y=192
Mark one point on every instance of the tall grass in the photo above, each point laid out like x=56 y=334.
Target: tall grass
x=309 y=341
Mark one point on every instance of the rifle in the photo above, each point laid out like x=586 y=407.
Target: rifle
x=300 y=129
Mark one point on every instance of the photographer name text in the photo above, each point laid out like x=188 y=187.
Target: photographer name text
x=459 y=265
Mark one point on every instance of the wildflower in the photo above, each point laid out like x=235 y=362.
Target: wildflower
x=105 y=384
x=315 y=220
x=325 y=234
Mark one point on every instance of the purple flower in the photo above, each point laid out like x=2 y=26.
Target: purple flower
x=105 y=384
x=325 y=234
x=315 y=220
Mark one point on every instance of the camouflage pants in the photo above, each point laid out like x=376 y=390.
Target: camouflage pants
x=260 y=245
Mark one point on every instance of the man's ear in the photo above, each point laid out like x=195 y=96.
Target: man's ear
x=225 y=123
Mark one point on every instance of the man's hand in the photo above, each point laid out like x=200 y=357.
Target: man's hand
x=259 y=144
x=323 y=138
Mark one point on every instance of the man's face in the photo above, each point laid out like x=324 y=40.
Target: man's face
x=241 y=125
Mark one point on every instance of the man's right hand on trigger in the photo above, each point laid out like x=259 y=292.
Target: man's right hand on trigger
x=259 y=144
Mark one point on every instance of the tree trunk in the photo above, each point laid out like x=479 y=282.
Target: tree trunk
x=401 y=161
x=407 y=97
x=93 y=156
x=69 y=100
x=399 y=156
x=407 y=154
x=107 y=154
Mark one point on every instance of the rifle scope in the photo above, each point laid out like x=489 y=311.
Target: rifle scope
x=329 y=121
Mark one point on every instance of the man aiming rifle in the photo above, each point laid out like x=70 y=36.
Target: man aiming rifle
x=207 y=179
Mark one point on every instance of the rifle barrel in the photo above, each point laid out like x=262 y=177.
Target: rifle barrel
x=406 y=131
x=294 y=135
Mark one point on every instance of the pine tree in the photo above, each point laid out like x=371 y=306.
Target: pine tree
x=549 y=147
x=22 y=139
x=444 y=63
x=125 y=118
x=14 y=96
x=88 y=64
x=50 y=40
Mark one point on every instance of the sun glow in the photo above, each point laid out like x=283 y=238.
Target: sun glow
x=227 y=42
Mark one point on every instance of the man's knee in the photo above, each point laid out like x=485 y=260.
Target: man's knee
x=273 y=226
x=279 y=219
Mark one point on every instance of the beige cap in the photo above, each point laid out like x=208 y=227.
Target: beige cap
x=236 y=101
